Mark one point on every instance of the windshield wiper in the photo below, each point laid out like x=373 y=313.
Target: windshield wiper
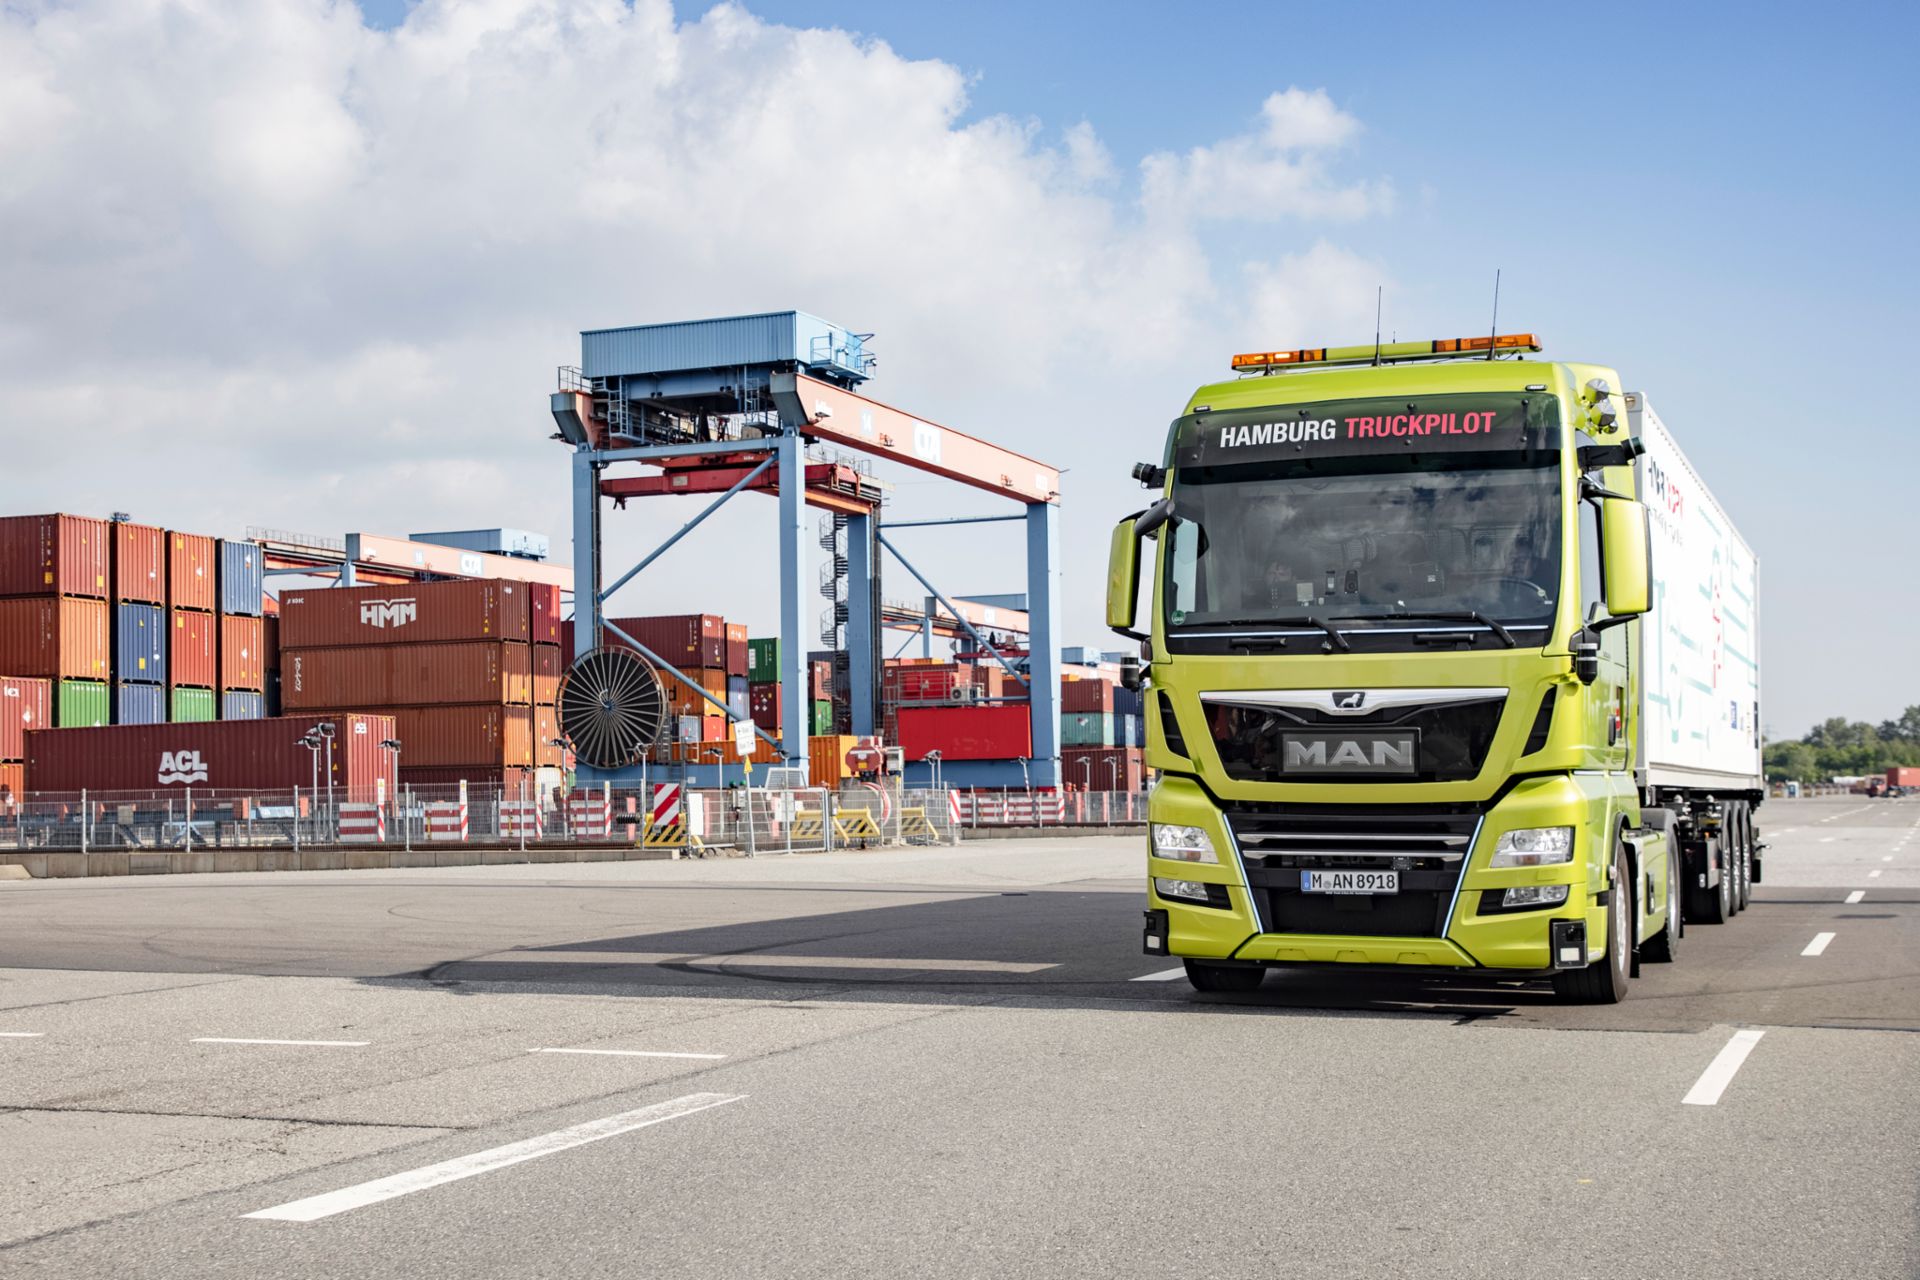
x=1333 y=633
x=1451 y=615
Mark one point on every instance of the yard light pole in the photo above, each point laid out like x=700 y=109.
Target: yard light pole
x=312 y=743
x=326 y=734
x=934 y=758
x=392 y=747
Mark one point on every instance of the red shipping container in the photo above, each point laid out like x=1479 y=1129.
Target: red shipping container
x=24 y=704
x=218 y=755
x=418 y=612
x=270 y=641
x=443 y=781
x=139 y=563
x=193 y=649
x=822 y=681
x=376 y=677
x=763 y=704
x=546 y=732
x=1103 y=768
x=1903 y=775
x=13 y=784
x=491 y=736
x=736 y=634
x=989 y=731
x=53 y=556
x=192 y=573
x=1088 y=696
x=242 y=654
x=547 y=666
x=544 y=601
x=54 y=637
x=683 y=640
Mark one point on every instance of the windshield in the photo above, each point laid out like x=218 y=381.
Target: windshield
x=1361 y=532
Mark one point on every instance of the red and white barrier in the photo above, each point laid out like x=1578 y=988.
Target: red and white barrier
x=363 y=824
x=590 y=817
x=667 y=800
x=447 y=820
x=520 y=818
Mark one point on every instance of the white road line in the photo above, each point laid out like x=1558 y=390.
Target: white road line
x=314 y=1208
x=1874 y=874
x=1719 y=1073
x=1888 y=858
x=1855 y=896
x=1819 y=944
x=310 y=1044
x=1165 y=975
x=1828 y=839
x=21 y=1035
x=634 y=1053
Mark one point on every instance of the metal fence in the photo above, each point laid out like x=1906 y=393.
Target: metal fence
x=1010 y=808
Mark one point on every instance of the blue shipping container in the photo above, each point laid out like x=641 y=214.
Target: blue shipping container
x=140 y=645
x=242 y=578
x=140 y=704
x=1136 y=732
x=243 y=706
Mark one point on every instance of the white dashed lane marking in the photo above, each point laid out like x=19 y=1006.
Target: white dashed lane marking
x=1719 y=1074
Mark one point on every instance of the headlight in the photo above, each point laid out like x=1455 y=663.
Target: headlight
x=1191 y=890
x=1534 y=847
x=1534 y=895
x=1183 y=844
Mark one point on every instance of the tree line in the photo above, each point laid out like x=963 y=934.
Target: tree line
x=1840 y=747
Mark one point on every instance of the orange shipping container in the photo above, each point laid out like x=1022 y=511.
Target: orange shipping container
x=407 y=675
x=546 y=674
x=827 y=759
x=140 y=563
x=242 y=655
x=13 y=784
x=683 y=701
x=54 y=638
x=192 y=649
x=53 y=556
x=546 y=732
x=487 y=736
x=192 y=582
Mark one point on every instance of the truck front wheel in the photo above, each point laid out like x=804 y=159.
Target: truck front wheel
x=1662 y=946
x=1224 y=977
x=1605 y=980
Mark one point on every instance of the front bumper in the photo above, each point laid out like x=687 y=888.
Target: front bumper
x=1462 y=938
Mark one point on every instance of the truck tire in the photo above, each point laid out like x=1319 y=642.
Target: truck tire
x=1605 y=980
x=1664 y=945
x=1745 y=884
x=1713 y=904
x=1224 y=977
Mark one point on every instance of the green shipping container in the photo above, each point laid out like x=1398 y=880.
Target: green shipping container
x=192 y=706
x=822 y=719
x=82 y=704
x=1086 y=729
x=763 y=660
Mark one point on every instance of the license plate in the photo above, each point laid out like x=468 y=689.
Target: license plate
x=1349 y=882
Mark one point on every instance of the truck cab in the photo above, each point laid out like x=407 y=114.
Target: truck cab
x=1393 y=671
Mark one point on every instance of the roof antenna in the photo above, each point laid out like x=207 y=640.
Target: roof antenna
x=1493 y=333
x=1378 y=291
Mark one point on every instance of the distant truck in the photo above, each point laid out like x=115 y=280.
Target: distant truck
x=1454 y=668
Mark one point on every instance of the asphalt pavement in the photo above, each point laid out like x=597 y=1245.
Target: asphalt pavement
x=954 y=1062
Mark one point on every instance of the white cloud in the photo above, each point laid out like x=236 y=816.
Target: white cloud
x=1322 y=297
x=1279 y=170
x=274 y=267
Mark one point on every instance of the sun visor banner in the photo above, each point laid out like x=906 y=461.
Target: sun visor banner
x=1461 y=424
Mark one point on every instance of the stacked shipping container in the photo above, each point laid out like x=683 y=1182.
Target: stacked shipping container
x=452 y=662
x=242 y=638
x=24 y=705
x=54 y=614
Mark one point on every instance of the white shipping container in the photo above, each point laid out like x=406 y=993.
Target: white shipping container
x=1700 y=720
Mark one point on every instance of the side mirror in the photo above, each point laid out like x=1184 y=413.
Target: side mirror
x=1626 y=556
x=1123 y=576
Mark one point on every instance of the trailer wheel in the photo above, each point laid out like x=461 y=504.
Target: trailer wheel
x=1224 y=977
x=1713 y=904
x=1664 y=945
x=1605 y=980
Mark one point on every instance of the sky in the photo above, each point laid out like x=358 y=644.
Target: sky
x=309 y=265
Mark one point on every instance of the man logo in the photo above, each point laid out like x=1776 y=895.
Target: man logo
x=1384 y=753
x=389 y=613
x=1350 y=700
x=181 y=768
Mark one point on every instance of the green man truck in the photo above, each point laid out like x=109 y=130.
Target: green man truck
x=1452 y=668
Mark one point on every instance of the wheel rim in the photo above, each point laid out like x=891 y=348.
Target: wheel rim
x=1673 y=903
x=1617 y=939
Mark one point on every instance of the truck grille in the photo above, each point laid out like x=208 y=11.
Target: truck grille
x=1453 y=737
x=1428 y=845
